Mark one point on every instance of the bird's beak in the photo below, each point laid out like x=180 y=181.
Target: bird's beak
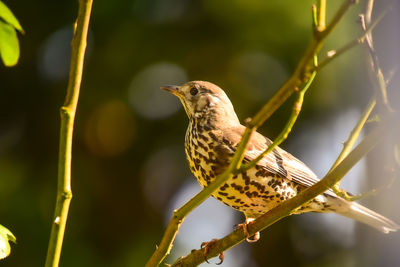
x=173 y=89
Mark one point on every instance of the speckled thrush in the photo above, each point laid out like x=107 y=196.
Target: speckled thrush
x=211 y=140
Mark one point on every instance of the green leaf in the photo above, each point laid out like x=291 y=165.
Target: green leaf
x=9 y=46
x=8 y=16
x=5 y=237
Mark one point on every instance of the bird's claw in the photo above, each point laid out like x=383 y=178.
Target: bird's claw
x=207 y=246
x=250 y=239
x=254 y=238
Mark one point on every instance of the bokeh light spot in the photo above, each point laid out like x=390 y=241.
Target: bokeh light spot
x=54 y=55
x=145 y=95
x=257 y=74
x=160 y=183
x=110 y=129
x=159 y=11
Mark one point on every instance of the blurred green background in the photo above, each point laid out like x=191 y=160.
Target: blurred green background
x=129 y=170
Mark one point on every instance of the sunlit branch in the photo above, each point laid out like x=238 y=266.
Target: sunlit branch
x=286 y=130
x=375 y=71
x=67 y=113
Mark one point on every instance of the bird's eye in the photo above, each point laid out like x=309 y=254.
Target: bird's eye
x=194 y=91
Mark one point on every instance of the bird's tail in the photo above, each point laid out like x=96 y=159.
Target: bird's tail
x=362 y=214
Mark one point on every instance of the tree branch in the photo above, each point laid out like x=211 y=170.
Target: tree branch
x=348 y=145
x=321 y=26
x=374 y=70
x=67 y=113
x=286 y=130
x=332 y=54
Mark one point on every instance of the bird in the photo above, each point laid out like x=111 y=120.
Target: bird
x=211 y=140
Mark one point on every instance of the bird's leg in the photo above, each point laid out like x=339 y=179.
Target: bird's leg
x=207 y=246
x=249 y=239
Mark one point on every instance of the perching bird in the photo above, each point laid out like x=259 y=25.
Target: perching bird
x=212 y=137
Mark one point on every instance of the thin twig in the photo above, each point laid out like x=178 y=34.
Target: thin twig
x=354 y=134
x=286 y=130
x=374 y=70
x=322 y=15
x=348 y=145
x=300 y=76
x=67 y=113
x=368 y=11
x=333 y=54
x=336 y=18
x=287 y=207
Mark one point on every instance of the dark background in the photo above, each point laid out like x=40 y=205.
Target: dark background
x=128 y=166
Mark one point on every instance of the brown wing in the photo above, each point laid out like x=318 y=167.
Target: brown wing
x=278 y=161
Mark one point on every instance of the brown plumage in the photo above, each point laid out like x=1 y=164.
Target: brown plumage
x=211 y=139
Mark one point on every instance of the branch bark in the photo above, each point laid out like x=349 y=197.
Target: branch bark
x=67 y=113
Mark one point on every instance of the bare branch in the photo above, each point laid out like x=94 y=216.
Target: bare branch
x=375 y=71
x=67 y=112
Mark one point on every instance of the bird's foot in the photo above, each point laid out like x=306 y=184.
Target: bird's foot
x=207 y=246
x=250 y=239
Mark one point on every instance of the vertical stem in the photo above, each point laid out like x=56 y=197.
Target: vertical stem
x=322 y=15
x=374 y=68
x=67 y=114
x=368 y=11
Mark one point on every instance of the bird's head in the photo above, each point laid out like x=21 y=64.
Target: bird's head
x=203 y=99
